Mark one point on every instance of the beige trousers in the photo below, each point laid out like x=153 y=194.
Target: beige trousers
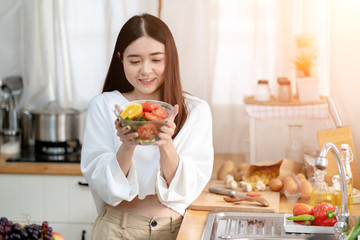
x=114 y=224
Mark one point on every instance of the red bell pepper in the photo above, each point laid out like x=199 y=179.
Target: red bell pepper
x=324 y=214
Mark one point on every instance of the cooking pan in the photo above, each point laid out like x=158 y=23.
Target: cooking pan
x=50 y=124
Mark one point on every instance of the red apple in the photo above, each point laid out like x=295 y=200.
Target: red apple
x=57 y=236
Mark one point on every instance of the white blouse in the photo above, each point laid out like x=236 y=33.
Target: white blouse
x=107 y=182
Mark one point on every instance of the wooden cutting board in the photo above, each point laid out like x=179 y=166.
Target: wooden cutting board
x=214 y=202
x=339 y=136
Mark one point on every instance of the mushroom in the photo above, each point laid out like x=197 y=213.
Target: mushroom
x=246 y=187
x=228 y=178
x=259 y=186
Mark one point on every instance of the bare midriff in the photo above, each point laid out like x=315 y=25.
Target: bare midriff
x=150 y=206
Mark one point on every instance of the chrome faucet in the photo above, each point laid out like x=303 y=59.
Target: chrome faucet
x=342 y=225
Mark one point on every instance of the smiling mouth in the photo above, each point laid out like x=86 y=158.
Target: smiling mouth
x=146 y=81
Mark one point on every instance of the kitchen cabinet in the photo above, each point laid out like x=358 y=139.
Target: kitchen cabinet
x=58 y=199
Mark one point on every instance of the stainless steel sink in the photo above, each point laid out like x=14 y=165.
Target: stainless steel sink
x=247 y=226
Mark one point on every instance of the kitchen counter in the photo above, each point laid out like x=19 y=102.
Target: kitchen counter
x=194 y=221
x=38 y=167
x=74 y=168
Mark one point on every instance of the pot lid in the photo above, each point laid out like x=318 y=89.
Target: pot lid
x=55 y=108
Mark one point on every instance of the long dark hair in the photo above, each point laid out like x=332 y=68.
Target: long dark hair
x=171 y=91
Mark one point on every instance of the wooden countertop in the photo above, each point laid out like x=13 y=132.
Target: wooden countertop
x=38 y=167
x=74 y=168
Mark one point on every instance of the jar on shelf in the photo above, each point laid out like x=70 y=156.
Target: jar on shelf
x=262 y=92
x=284 y=90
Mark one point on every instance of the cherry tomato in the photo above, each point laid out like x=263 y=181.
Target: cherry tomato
x=148 y=106
x=159 y=112
x=150 y=116
x=253 y=194
x=302 y=208
x=147 y=131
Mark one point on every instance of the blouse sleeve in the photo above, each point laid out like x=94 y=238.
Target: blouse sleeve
x=195 y=147
x=98 y=157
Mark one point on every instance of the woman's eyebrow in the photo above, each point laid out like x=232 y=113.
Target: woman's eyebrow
x=151 y=54
x=156 y=53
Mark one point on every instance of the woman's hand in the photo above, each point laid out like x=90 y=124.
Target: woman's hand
x=169 y=158
x=167 y=131
x=122 y=132
x=126 y=150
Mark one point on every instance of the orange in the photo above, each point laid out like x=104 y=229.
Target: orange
x=132 y=110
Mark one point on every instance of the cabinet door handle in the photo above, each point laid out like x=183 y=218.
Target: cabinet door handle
x=83 y=183
x=83 y=235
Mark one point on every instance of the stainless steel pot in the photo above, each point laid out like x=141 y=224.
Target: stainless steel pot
x=51 y=124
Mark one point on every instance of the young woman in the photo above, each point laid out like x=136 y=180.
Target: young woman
x=141 y=192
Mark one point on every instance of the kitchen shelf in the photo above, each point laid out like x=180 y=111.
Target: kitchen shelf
x=274 y=109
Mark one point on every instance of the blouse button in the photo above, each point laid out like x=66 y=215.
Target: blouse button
x=154 y=223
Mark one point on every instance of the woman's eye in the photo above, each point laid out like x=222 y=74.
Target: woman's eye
x=157 y=60
x=134 y=62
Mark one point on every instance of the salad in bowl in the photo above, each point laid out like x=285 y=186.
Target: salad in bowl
x=145 y=117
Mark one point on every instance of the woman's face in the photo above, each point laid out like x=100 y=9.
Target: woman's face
x=144 y=66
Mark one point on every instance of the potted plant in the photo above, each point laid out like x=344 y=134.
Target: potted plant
x=307 y=84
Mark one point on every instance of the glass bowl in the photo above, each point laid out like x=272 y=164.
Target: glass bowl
x=146 y=129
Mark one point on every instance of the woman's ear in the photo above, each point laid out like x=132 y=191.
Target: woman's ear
x=118 y=54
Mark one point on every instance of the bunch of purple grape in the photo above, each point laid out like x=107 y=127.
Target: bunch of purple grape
x=10 y=230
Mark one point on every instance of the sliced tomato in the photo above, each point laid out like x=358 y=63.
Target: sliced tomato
x=150 y=116
x=148 y=106
x=160 y=112
x=147 y=131
x=253 y=194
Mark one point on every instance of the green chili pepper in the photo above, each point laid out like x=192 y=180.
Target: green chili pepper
x=304 y=217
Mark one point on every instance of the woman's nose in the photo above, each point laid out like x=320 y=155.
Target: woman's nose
x=146 y=67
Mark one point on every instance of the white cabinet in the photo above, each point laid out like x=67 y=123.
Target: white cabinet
x=268 y=138
x=58 y=199
x=268 y=126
